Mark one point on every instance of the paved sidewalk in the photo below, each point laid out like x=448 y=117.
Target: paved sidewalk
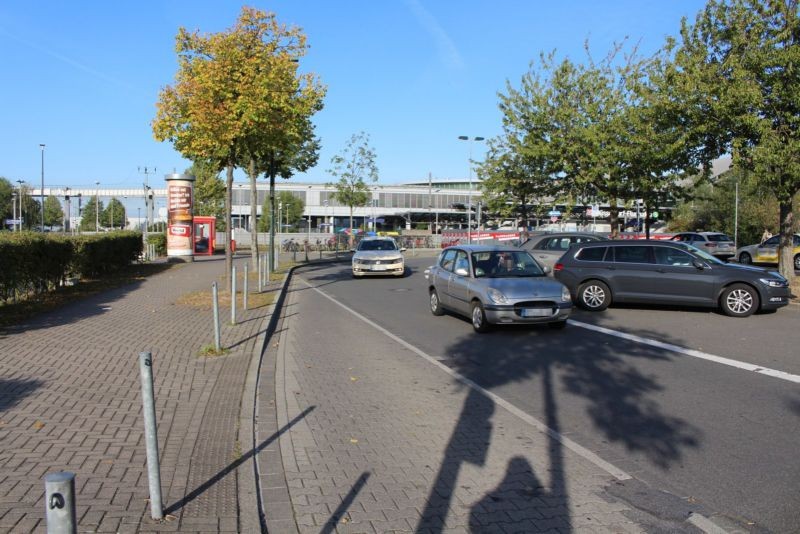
x=370 y=437
x=70 y=400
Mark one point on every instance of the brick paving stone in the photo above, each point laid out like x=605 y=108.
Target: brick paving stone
x=83 y=359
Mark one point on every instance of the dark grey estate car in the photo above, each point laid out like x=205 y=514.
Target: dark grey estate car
x=666 y=272
x=496 y=285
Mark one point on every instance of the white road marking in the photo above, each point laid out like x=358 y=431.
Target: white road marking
x=614 y=471
x=691 y=352
x=705 y=524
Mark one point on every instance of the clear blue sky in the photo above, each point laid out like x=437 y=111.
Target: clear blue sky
x=83 y=77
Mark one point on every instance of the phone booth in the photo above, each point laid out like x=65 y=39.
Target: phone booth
x=204 y=233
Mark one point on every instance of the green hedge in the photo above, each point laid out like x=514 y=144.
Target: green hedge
x=33 y=263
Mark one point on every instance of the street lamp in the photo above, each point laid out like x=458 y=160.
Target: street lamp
x=21 y=197
x=97 y=207
x=469 y=209
x=41 y=195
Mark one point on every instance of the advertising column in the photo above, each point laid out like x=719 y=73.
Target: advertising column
x=180 y=203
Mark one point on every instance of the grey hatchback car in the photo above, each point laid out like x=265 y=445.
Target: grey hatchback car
x=548 y=248
x=667 y=272
x=496 y=285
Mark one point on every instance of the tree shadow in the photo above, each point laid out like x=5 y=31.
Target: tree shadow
x=13 y=390
x=619 y=399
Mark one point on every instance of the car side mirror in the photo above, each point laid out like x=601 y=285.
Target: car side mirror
x=546 y=269
x=403 y=249
x=462 y=272
x=699 y=264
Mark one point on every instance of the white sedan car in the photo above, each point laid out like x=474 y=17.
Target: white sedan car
x=378 y=256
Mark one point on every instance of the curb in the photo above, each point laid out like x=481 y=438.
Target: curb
x=252 y=517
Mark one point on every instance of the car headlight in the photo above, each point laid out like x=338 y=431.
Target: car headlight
x=565 y=294
x=773 y=282
x=496 y=296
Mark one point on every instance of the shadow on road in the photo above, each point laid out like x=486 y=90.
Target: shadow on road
x=13 y=390
x=619 y=401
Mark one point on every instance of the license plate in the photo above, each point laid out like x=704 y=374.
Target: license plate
x=379 y=267
x=536 y=312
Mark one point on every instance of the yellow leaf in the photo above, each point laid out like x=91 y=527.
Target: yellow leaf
x=353 y=440
x=354 y=378
x=38 y=425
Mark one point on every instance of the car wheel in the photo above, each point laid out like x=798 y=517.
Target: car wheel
x=797 y=263
x=558 y=325
x=436 y=306
x=745 y=258
x=594 y=295
x=479 y=322
x=739 y=300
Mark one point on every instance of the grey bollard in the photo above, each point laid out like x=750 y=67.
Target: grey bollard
x=151 y=435
x=258 y=269
x=233 y=296
x=59 y=496
x=215 y=304
x=244 y=289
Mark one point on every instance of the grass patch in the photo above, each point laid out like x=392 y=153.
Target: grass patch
x=203 y=299
x=210 y=351
x=15 y=313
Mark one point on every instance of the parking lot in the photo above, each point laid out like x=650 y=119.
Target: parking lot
x=694 y=404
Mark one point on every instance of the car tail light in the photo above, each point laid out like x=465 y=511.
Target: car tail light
x=558 y=267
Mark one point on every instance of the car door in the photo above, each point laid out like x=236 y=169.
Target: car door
x=767 y=252
x=632 y=273
x=549 y=250
x=442 y=276
x=459 y=284
x=679 y=281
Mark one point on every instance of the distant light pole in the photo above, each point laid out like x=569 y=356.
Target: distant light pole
x=41 y=196
x=21 y=196
x=139 y=217
x=469 y=209
x=97 y=207
x=67 y=222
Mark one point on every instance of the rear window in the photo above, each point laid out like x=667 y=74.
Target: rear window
x=718 y=237
x=591 y=254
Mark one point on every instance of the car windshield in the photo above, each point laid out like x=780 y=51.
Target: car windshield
x=505 y=263
x=702 y=254
x=377 y=244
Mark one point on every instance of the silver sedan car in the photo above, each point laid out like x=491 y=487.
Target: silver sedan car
x=496 y=285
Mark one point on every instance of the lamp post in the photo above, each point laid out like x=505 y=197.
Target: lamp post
x=41 y=195
x=469 y=209
x=21 y=197
x=14 y=209
x=97 y=207
x=139 y=217
x=66 y=222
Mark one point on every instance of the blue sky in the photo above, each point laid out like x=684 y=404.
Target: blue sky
x=83 y=77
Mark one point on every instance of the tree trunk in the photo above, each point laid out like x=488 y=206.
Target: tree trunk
x=253 y=214
x=786 y=265
x=613 y=217
x=351 y=240
x=228 y=226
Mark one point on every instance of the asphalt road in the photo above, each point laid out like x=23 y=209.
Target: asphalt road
x=708 y=432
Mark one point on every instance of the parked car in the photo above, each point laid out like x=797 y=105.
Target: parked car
x=715 y=243
x=548 y=248
x=496 y=285
x=378 y=256
x=666 y=272
x=767 y=252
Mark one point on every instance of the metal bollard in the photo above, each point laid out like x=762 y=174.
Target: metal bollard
x=59 y=497
x=266 y=275
x=244 y=292
x=151 y=435
x=258 y=269
x=215 y=303
x=233 y=296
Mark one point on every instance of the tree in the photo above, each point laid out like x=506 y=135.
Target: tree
x=6 y=199
x=209 y=191
x=53 y=213
x=92 y=211
x=28 y=208
x=353 y=167
x=237 y=95
x=113 y=216
x=291 y=211
x=736 y=77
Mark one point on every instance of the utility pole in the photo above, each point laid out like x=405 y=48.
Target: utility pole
x=146 y=171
